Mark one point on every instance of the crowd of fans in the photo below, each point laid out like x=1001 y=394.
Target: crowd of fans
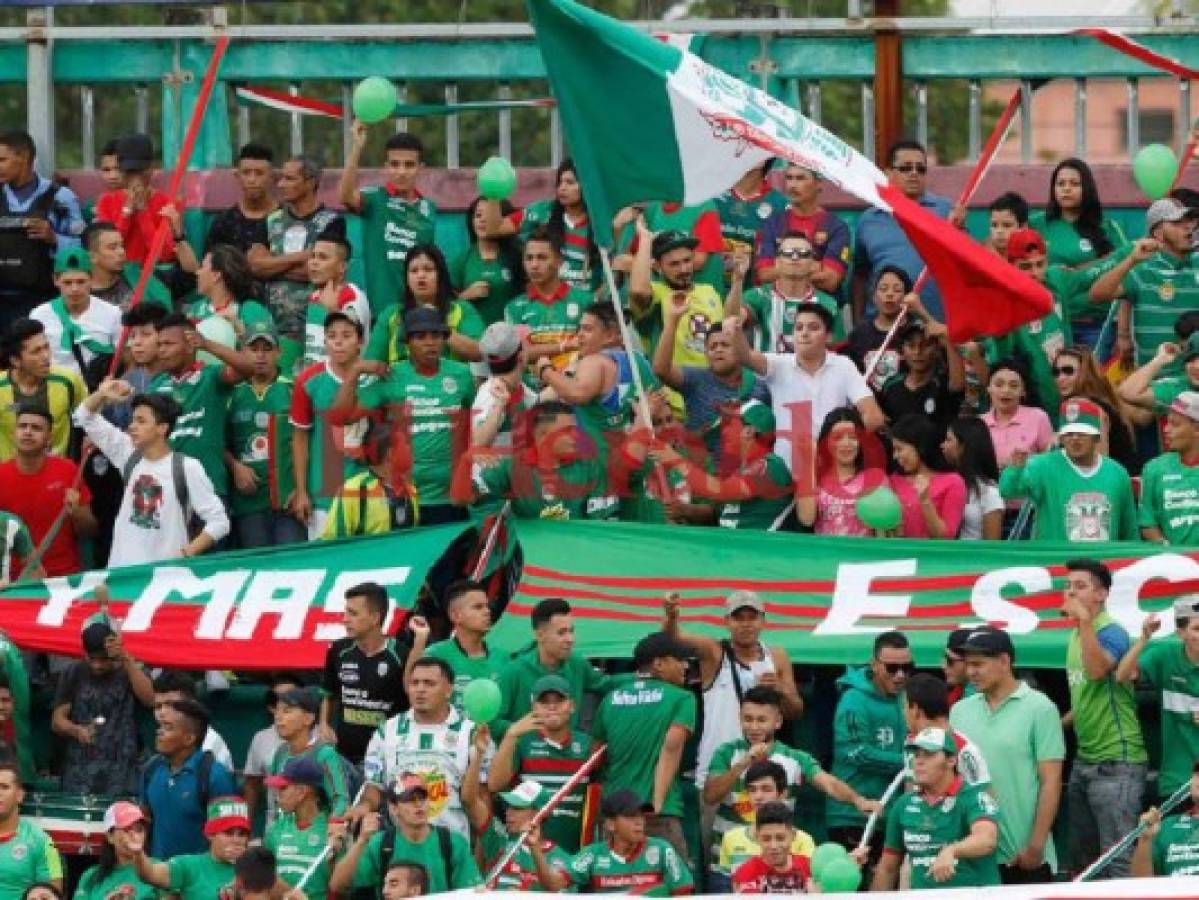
x=764 y=367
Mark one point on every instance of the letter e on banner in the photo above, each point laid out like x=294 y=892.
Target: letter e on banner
x=852 y=599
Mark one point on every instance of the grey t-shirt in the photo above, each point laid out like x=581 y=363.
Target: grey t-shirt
x=705 y=394
x=109 y=765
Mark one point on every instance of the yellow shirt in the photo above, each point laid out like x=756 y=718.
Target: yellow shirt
x=60 y=393
x=738 y=845
x=704 y=309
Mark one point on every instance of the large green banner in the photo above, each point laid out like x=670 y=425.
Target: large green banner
x=826 y=597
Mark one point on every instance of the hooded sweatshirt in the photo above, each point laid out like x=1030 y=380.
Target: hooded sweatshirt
x=868 y=736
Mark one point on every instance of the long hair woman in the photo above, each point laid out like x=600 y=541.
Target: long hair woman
x=849 y=463
x=1077 y=374
x=489 y=273
x=967 y=447
x=932 y=499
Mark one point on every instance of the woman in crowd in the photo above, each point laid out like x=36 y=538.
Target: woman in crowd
x=967 y=447
x=114 y=875
x=1077 y=375
x=566 y=219
x=1014 y=423
x=849 y=463
x=932 y=499
x=427 y=282
x=892 y=285
x=489 y=273
x=226 y=289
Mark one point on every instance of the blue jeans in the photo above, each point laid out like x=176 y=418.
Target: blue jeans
x=1104 y=804
x=268 y=529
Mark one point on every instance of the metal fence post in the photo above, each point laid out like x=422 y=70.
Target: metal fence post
x=87 y=125
x=39 y=86
x=1080 y=117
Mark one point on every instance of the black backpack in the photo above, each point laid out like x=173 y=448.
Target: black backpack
x=444 y=846
x=179 y=476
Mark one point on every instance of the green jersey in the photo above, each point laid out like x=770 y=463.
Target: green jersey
x=464 y=872
x=576 y=269
x=467 y=668
x=735 y=808
x=351 y=301
x=26 y=857
x=1073 y=505
x=200 y=876
x=296 y=849
x=391 y=226
x=772 y=481
x=537 y=758
x=259 y=435
x=656 y=870
x=313 y=395
x=471 y=268
x=1165 y=665
x=572 y=491
x=1105 y=711
x=436 y=411
x=1170 y=499
x=121 y=882
x=337 y=793
x=741 y=218
x=1176 y=846
x=249 y=312
x=517 y=679
x=1074 y=253
x=774 y=316
x=633 y=720
x=698 y=221
x=520 y=872
x=387 y=344
x=203 y=397
x=1160 y=290
x=549 y=318
x=919 y=827
x=287 y=233
x=1166 y=390
x=15 y=544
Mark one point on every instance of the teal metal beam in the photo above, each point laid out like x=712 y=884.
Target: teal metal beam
x=1034 y=56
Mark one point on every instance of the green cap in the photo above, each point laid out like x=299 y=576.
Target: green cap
x=758 y=416
x=260 y=331
x=526 y=795
x=934 y=740
x=72 y=259
x=548 y=684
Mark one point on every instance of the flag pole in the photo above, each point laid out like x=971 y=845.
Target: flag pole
x=626 y=338
x=872 y=822
x=1173 y=801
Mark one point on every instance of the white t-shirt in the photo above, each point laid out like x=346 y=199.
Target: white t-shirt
x=835 y=384
x=977 y=506
x=261 y=752
x=485 y=402
x=150 y=526
x=100 y=322
x=215 y=744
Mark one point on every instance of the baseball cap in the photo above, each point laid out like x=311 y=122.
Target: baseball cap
x=550 y=684
x=499 y=342
x=305 y=698
x=988 y=641
x=758 y=416
x=657 y=645
x=424 y=319
x=1191 y=348
x=409 y=786
x=526 y=795
x=1186 y=607
x=122 y=814
x=1080 y=417
x=1167 y=209
x=744 y=600
x=72 y=259
x=624 y=802
x=673 y=239
x=933 y=740
x=1023 y=243
x=1186 y=404
x=225 y=813
x=135 y=152
x=301 y=770
x=260 y=331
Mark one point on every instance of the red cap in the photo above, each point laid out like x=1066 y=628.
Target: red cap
x=1023 y=243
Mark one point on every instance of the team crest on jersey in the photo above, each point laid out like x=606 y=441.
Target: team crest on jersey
x=651 y=856
x=381 y=669
x=1166 y=291
x=262 y=419
x=764 y=211
x=572 y=310
x=19 y=852
x=449 y=385
x=949 y=804
x=1085 y=245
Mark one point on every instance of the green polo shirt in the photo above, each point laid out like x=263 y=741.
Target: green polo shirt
x=26 y=857
x=1160 y=290
x=467 y=668
x=1014 y=738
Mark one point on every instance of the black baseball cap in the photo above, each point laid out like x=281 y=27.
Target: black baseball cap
x=305 y=698
x=666 y=241
x=656 y=645
x=957 y=640
x=135 y=153
x=988 y=641
x=624 y=802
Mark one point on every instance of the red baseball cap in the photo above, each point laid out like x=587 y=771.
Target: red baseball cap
x=1023 y=243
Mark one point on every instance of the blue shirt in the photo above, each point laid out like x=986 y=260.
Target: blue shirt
x=881 y=242
x=176 y=807
x=65 y=217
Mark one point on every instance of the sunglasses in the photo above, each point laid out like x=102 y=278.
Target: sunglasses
x=796 y=254
x=909 y=168
x=1064 y=370
x=895 y=668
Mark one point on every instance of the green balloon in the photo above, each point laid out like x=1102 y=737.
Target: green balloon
x=497 y=179
x=841 y=876
x=375 y=99
x=880 y=509
x=481 y=700
x=1153 y=169
x=824 y=855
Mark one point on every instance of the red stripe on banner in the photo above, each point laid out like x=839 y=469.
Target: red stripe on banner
x=307 y=104
x=652 y=583
x=1137 y=50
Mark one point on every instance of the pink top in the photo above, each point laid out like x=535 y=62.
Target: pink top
x=948 y=493
x=836 y=503
x=1029 y=430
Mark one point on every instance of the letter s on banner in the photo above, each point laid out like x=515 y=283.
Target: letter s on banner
x=990 y=605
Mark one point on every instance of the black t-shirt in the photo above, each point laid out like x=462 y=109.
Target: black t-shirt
x=369 y=690
x=234 y=228
x=934 y=400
